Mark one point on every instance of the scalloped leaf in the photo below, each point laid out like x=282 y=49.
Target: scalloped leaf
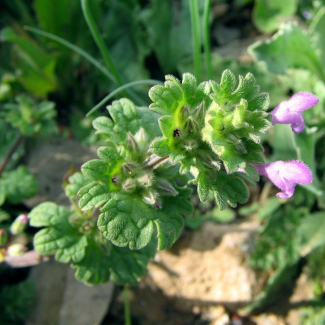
x=290 y=47
x=128 y=266
x=59 y=237
x=128 y=221
x=75 y=183
x=93 y=195
x=17 y=185
x=94 y=268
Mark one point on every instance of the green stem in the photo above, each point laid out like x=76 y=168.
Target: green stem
x=118 y=90
x=127 y=309
x=75 y=48
x=99 y=41
x=196 y=38
x=207 y=45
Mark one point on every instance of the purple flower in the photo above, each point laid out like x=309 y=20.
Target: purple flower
x=290 y=111
x=286 y=175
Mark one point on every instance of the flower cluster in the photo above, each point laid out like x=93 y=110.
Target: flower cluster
x=287 y=174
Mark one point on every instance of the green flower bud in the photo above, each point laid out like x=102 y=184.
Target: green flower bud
x=132 y=144
x=142 y=139
x=19 y=225
x=165 y=188
x=150 y=197
x=191 y=126
x=128 y=167
x=145 y=180
x=190 y=145
x=129 y=185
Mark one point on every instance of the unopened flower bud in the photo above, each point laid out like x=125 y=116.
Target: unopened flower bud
x=199 y=113
x=16 y=250
x=129 y=185
x=19 y=225
x=132 y=144
x=190 y=145
x=141 y=138
x=184 y=113
x=145 y=180
x=191 y=125
x=128 y=167
x=165 y=188
x=3 y=237
x=149 y=197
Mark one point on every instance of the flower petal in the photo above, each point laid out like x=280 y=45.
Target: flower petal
x=290 y=111
x=302 y=101
x=297 y=172
x=286 y=175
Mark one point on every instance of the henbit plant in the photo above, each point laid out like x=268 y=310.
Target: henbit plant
x=141 y=183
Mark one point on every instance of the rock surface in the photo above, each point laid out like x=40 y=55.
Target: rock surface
x=208 y=267
x=50 y=162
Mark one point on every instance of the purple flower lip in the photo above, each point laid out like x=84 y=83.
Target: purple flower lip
x=286 y=175
x=290 y=111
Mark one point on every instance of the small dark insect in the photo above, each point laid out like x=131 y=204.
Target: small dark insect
x=176 y=133
x=114 y=179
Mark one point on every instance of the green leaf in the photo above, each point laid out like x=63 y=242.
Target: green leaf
x=48 y=214
x=127 y=118
x=4 y=216
x=281 y=281
x=271 y=205
x=127 y=221
x=168 y=27
x=317 y=31
x=30 y=117
x=225 y=216
x=128 y=266
x=18 y=185
x=75 y=183
x=160 y=147
x=290 y=47
x=95 y=169
x=93 y=195
x=94 y=268
x=103 y=125
x=59 y=238
x=225 y=187
x=53 y=17
x=36 y=67
x=312 y=232
x=268 y=15
x=169 y=219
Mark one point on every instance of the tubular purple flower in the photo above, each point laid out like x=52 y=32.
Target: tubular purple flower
x=286 y=175
x=290 y=111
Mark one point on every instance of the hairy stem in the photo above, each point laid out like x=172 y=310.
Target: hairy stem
x=196 y=38
x=99 y=41
x=206 y=36
x=127 y=310
x=9 y=154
